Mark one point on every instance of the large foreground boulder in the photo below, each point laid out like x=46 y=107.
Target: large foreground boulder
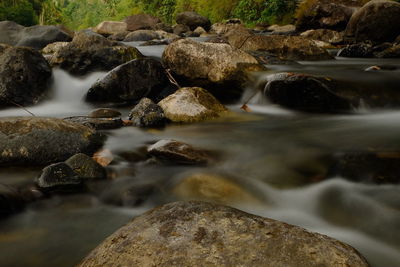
x=285 y=47
x=378 y=21
x=141 y=22
x=37 y=36
x=130 y=82
x=326 y=14
x=219 y=68
x=24 y=76
x=90 y=51
x=193 y=20
x=203 y=234
x=305 y=93
x=39 y=141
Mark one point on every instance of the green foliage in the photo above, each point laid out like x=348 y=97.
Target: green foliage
x=21 y=11
x=79 y=14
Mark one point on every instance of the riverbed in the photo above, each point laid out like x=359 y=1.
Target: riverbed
x=278 y=155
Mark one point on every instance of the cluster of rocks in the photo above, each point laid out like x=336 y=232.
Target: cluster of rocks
x=189 y=85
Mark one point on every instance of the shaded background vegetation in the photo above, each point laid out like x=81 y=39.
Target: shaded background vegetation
x=79 y=14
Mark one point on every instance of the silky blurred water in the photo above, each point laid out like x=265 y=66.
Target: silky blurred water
x=277 y=155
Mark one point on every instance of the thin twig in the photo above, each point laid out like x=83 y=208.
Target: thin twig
x=244 y=106
x=171 y=78
x=18 y=105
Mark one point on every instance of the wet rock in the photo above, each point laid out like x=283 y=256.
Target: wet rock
x=147 y=114
x=271 y=59
x=141 y=22
x=198 y=233
x=54 y=47
x=141 y=35
x=222 y=28
x=356 y=50
x=368 y=167
x=24 y=76
x=325 y=14
x=156 y=42
x=97 y=123
x=164 y=27
x=39 y=141
x=200 y=31
x=110 y=27
x=193 y=20
x=176 y=152
x=180 y=29
x=59 y=177
x=213 y=188
x=118 y=36
x=191 y=104
x=219 y=68
x=167 y=35
x=10 y=201
x=90 y=51
x=324 y=35
x=391 y=52
x=376 y=21
x=285 y=29
x=36 y=37
x=129 y=82
x=286 y=47
x=136 y=155
x=85 y=167
x=305 y=93
x=104 y=113
x=3 y=47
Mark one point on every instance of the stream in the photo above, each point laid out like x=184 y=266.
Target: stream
x=271 y=152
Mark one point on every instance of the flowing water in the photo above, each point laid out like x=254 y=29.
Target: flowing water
x=277 y=155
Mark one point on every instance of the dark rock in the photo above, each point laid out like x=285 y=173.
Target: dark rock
x=39 y=141
x=368 y=167
x=191 y=34
x=37 y=36
x=24 y=76
x=193 y=20
x=377 y=22
x=390 y=52
x=118 y=36
x=191 y=104
x=156 y=42
x=326 y=14
x=217 y=235
x=86 y=167
x=271 y=59
x=59 y=177
x=164 y=27
x=147 y=114
x=104 y=113
x=90 y=51
x=129 y=82
x=135 y=156
x=176 y=152
x=97 y=123
x=10 y=201
x=305 y=93
x=180 y=29
x=286 y=47
x=141 y=35
x=141 y=22
x=356 y=50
